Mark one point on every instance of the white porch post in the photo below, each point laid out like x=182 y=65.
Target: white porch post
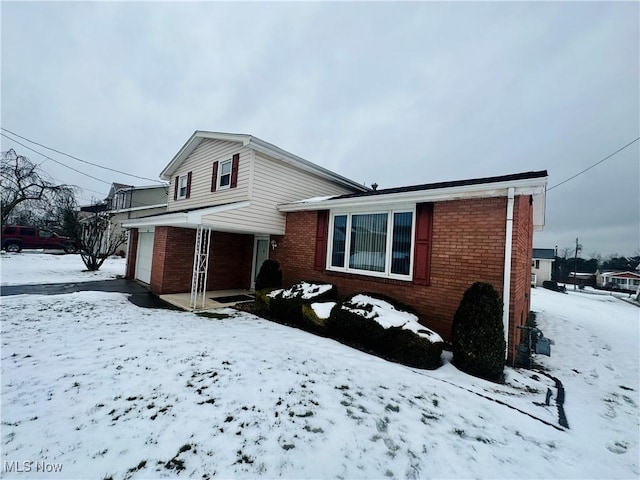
x=200 y=267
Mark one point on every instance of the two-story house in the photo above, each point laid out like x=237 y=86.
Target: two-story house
x=236 y=200
x=126 y=202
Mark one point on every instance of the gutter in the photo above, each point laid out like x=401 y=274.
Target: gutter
x=506 y=287
x=533 y=186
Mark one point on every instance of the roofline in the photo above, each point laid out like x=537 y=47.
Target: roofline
x=530 y=183
x=187 y=219
x=258 y=145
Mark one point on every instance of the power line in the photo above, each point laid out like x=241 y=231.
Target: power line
x=595 y=164
x=53 y=159
x=79 y=159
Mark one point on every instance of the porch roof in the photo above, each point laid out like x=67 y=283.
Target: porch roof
x=192 y=218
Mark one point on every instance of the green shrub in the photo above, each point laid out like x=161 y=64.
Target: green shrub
x=355 y=329
x=478 y=334
x=408 y=348
x=394 y=343
x=263 y=300
x=286 y=306
x=312 y=320
x=269 y=276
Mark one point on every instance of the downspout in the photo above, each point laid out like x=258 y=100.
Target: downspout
x=506 y=287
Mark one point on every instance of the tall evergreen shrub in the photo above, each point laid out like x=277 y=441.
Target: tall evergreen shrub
x=478 y=334
x=269 y=276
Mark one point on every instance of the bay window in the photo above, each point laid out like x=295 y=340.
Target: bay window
x=377 y=244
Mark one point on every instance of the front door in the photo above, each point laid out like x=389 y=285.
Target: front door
x=260 y=254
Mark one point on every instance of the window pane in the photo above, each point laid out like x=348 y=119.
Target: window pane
x=225 y=174
x=368 y=242
x=183 y=187
x=225 y=168
x=401 y=250
x=339 y=240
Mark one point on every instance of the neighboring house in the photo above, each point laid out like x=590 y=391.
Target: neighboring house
x=126 y=202
x=542 y=265
x=624 y=280
x=237 y=200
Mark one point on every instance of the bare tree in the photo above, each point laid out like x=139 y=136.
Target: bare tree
x=23 y=184
x=92 y=234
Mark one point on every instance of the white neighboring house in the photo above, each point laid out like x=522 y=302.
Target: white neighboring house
x=623 y=280
x=126 y=202
x=541 y=265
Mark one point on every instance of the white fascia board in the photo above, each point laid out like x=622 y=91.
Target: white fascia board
x=137 y=209
x=191 y=145
x=182 y=219
x=534 y=186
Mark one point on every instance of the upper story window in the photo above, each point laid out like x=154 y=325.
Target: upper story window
x=378 y=244
x=225 y=174
x=182 y=186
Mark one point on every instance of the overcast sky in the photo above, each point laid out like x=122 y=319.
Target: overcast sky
x=393 y=93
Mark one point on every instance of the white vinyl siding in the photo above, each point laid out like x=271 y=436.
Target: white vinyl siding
x=274 y=183
x=261 y=180
x=200 y=163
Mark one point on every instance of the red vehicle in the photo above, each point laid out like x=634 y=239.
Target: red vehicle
x=15 y=238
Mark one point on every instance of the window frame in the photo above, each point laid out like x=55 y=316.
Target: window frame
x=221 y=165
x=186 y=186
x=390 y=212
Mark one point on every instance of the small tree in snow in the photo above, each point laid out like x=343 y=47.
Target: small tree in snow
x=93 y=236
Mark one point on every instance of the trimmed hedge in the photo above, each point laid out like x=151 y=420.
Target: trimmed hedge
x=289 y=310
x=395 y=343
x=478 y=334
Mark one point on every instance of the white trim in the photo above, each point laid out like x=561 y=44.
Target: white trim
x=254 y=269
x=521 y=187
x=137 y=209
x=183 y=219
x=256 y=144
x=179 y=196
x=219 y=185
x=389 y=242
x=506 y=286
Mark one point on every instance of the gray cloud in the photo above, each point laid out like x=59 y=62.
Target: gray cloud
x=393 y=93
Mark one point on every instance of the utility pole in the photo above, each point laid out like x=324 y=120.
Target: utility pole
x=575 y=264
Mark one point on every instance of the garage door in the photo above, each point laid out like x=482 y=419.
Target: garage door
x=145 y=256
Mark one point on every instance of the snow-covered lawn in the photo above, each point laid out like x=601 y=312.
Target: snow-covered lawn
x=35 y=267
x=103 y=388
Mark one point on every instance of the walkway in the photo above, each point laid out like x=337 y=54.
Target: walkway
x=138 y=294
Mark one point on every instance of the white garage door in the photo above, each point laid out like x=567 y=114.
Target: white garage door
x=145 y=256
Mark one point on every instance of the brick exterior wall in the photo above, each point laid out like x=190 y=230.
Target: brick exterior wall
x=520 y=301
x=230 y=258
x=131 y=254
x=172 y=260
x=468 y=246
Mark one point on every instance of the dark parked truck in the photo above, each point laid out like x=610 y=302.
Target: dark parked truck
x=15 y=238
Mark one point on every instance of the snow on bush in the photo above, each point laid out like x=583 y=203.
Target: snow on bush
x=303 y=290
x=388 y=316
x=323 y=309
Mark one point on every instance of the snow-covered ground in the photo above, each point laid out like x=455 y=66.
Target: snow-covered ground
x=101 y=388
x=35 y=267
